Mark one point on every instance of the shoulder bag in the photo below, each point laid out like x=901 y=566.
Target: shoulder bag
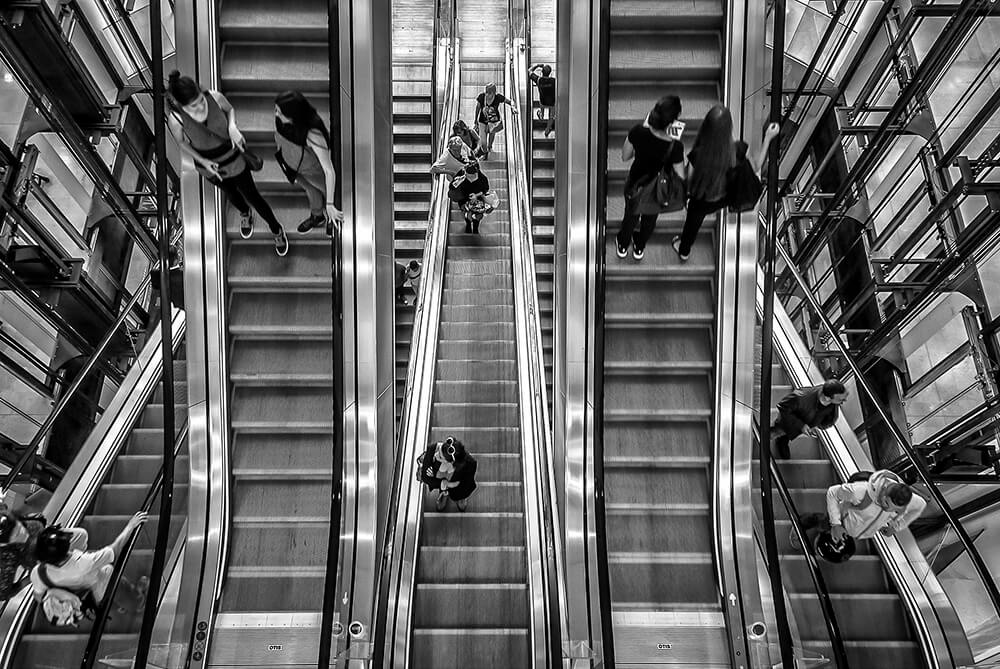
x=743 y=187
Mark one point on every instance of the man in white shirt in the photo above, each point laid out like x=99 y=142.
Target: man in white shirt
x=77 y=570
x=881 y=505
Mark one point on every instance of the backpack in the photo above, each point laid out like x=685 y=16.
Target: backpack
x=63 y=607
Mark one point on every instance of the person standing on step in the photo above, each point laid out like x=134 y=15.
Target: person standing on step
x=468 y=190
x=541 y=76
x=455 y=157
x=204 y=125
x=711 y=158
x=488 y=117
x=650 y=146
x=805 y=411
x=466 y=134
x=304 y=156
x=448 y=468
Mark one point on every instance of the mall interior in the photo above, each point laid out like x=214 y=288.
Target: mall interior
x=292 y=424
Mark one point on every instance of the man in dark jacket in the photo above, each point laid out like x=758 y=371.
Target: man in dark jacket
x=804 y=411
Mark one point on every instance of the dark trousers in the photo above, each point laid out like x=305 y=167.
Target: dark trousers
x=697 y=210
x=627 y=235
x=242 y=190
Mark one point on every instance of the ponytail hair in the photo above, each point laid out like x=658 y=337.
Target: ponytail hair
x=183 y=89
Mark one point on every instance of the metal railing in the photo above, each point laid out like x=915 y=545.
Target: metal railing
x=544 y=543
x=70 y=393
x=395 y=587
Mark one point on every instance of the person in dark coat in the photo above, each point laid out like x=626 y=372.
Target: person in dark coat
x=806 y=410
x=449 y=469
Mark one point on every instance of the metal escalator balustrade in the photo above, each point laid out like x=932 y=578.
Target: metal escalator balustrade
x=659 y=354
x=118 y=467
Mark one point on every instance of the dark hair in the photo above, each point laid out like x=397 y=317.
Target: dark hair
x=715 y=151
x=899 y=494
x=459 y=126
x=8 y=521
x=833 y=387
x=304 y=118
x=183 y=89
x=665 y=112
x=472 y=167
x=453 y=450
x=52 y=545
x=546 y=70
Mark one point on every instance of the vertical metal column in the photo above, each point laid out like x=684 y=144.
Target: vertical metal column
x=365 y=104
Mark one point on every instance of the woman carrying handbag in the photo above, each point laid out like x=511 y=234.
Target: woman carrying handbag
x=488 y=117
x=204 y=125
x=304 y=157
x=719 y=173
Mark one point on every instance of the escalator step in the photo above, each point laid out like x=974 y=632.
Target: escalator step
x=471 y=564
x=482 y=648
x=471 y=605
x=275 y=67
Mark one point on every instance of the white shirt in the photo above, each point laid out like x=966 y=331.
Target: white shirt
x=89 y=570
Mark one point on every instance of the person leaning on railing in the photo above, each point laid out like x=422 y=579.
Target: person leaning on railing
x=804 y=411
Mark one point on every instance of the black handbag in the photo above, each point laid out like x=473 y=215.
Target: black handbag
x=664 y=193
x=743 y=187
x=286 y=169
x=456 y=194
x=255 y=162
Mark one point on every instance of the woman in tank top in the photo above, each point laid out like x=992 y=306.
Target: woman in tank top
x=303 y=143
x=204 y=125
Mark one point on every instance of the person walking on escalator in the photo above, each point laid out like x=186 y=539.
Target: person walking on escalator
x=454 y=158
x=650 y=145
x=805 y=411
x=716 y=165
x=305 y=158
x=470 y=190
x=488 y=117
x=204 y=125
x=541 y=76
x=446 y=467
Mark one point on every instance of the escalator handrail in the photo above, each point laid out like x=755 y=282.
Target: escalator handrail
x=70 y=393
x=809 y=552
x=538 y=463
x=104 y=611
x=85 y=476
x=914 y=459
x=396 y=575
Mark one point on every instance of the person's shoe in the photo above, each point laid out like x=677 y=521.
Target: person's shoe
x=539 y=115
x=281 y=244
x=462 y=504
x=676 y=243
x=442 y=502
x=548 y=131
x=312 y=222
x=246 y=225
x=638 y=253
x=622 y=251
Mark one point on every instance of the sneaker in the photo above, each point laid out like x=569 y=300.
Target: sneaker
x=462 y=504
x=442 y=502
x=312 y=222
x=638 y=253
x=676 y=243
x=621 y=250
x=281 y=244
x=539 y=115
x=548 y=131
x=246 y=225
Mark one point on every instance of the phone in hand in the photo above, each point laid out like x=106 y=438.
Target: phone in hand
x=675 y=130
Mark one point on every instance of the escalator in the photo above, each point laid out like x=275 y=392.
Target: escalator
x=280 y=341
x=471 y=604
x=874 y=624
x=412 y=100
x=659 y=352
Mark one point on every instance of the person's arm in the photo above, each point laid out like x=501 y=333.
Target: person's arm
x=326 y=162
x=769 y=134
x=913 y=511
x=133 y=523
x=836 y=497
x=177 y=131
x=628 y=151
x=440 y=165
x=680 y=169
x=234 y=131
x=829 y=421
x=479 y=110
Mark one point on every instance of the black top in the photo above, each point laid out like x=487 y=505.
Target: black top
x=469 y=188
x=498 y=100
x=546 y=88
x=651 y=154
x=719 y=192
x=803 y=407
x=464 y=474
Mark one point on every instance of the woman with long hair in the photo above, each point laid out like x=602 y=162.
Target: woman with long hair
x=650 y=146
x=714 y=153
x=204 y=125
x=304 y=155
x=449 y=469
